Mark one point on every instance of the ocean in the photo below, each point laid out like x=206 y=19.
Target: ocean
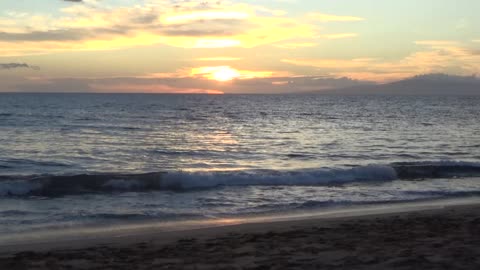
x=73 y=160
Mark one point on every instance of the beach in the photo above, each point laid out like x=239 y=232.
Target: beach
x=438 y=237
x=282 y=134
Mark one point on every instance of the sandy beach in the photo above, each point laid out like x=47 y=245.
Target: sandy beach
x=239 y=134
x=443 y=237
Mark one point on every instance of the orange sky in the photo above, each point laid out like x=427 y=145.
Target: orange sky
x=231 y=46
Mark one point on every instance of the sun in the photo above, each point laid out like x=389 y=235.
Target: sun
x=223 y=74
x=218 y=73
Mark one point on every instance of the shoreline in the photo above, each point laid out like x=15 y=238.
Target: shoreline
x=444 y=235
x=439 y=235
x=166 y=232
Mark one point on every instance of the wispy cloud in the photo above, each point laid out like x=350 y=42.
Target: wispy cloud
x=205 y=15
x=198 y=84
x=186 y=24
x=210 y=59
x=148 y=88
x=330 y=63
x=294 y=45
x=433 y=56
x=17 y=65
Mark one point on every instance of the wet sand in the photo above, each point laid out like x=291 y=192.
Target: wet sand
x=440 y=238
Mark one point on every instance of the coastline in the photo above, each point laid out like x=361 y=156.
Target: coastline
x=424 y=234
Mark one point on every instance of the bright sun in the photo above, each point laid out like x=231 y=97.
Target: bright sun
x=224 y=74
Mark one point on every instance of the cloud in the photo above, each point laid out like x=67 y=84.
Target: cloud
x=60 y=35
x=149 y=88
x=330 y=63
x=196 y=80
x=206 y=15
x=333 y=18
x=185 y=24
x=198 y=85
x=209 y=59
x=295 y=45
x=433 y=56
x=17 y=65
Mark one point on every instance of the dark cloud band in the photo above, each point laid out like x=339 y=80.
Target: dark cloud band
x=17 y=65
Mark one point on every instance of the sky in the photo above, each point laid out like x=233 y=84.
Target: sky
x=220 y=46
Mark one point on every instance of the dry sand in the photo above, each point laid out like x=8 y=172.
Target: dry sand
x=439 y=238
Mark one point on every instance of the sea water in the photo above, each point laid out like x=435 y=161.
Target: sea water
x=70 y=160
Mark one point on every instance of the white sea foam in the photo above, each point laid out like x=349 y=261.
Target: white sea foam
x=196 y=180
x=184 y=181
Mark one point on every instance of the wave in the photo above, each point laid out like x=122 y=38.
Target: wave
x=441 y=169
x=6 y=163
x=50 y=186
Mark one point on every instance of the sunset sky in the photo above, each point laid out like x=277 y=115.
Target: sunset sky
x=271 y=46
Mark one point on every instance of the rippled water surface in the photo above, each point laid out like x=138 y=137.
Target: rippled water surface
x=226 y=155
x=71 y=133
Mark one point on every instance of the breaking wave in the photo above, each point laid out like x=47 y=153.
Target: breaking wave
x=51 y=186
